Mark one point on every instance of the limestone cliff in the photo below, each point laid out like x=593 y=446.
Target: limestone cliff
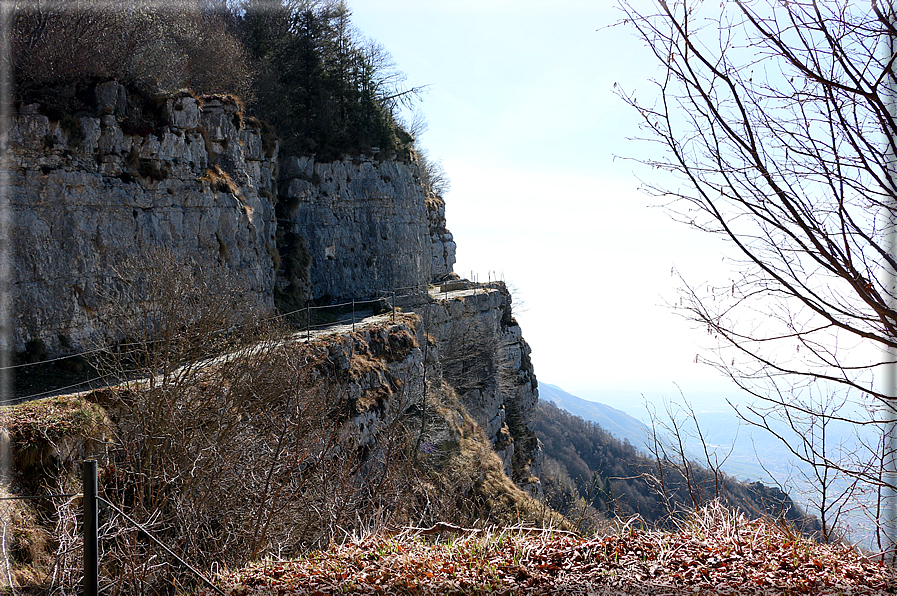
x=485 y=358
x=442 y=243
x=368 y=227
x=88 y=193
x=195 y=177
x=397 y=370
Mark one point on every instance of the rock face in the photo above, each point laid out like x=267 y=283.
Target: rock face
x=442 y=243
x=368 y=227
x=90 y=193
x=485 y=358
x=380 y=369
x=201 y=183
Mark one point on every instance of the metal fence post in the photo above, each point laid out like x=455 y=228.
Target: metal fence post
x=353 y=315
x=91 y=563
x=307 y=322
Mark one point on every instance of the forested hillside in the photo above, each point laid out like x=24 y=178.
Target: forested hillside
x=587 y=466
x=300 y=67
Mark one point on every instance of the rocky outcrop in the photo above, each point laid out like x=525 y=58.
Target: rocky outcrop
x=413 y=367
x=90 y=193
x=380 y=372
x=367 y=226
x=485 y=358
x=442 y=243
x=194 y=177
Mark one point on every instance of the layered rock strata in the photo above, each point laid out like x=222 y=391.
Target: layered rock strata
x=88 y=194
x=485 y=358
x=367 y=225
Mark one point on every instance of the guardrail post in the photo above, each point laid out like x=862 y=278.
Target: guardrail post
x=307 y=322
x=393 y=306
x=353 y=315
x=91 y=542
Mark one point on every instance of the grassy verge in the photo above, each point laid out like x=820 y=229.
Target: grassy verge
x=714 y=552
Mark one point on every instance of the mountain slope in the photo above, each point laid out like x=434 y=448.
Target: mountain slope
x=583 y=462
x=616 y=422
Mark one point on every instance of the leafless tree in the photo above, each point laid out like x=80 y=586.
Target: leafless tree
x=671 y=445
x=432 y=174
x=777 y=126
x=157 y=46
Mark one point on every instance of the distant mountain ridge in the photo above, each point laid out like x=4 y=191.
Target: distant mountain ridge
x=616 y=422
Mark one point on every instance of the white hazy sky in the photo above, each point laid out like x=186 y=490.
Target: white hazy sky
x=522 y=112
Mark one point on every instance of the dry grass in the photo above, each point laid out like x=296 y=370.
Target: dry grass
x=226 y=99
x=220 y=181
x=716 y=552
x=49 y=430
x=40 y=539
x=433 y=202
x=23 y=539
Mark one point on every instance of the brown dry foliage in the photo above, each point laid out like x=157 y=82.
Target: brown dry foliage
x=156 y=47
x=715 y=552
x=220 y=181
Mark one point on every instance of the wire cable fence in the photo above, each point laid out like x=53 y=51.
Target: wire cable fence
x=329 y=317
x=91 y=500
x=304 y=310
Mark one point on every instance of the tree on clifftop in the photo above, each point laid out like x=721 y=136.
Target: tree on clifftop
x=777 y=122
x=299 y=65
x=325 y=88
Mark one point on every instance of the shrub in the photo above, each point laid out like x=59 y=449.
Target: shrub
x=220 y=181
x=156 y=47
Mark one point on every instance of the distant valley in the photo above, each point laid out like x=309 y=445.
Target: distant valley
x=589 y=473
x=743 y=451
x=738 y=445
x=616 y=422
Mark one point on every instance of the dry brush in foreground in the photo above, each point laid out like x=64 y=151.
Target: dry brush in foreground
x=714 y=552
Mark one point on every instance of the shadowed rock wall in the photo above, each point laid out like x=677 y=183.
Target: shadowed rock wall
x=89 y=193
x=367 y=225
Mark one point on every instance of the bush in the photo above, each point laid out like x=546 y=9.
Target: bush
x=154 y=47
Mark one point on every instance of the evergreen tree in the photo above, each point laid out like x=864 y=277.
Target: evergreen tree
x=325 y=91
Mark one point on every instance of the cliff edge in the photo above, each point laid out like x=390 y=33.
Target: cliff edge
x=96 y=194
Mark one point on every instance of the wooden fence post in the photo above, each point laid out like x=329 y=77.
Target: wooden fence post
x=91 y=542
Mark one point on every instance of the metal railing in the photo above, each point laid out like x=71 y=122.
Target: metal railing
x=345 y=313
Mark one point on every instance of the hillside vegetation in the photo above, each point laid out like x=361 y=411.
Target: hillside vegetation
x=589 y=471
x=299 y=67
